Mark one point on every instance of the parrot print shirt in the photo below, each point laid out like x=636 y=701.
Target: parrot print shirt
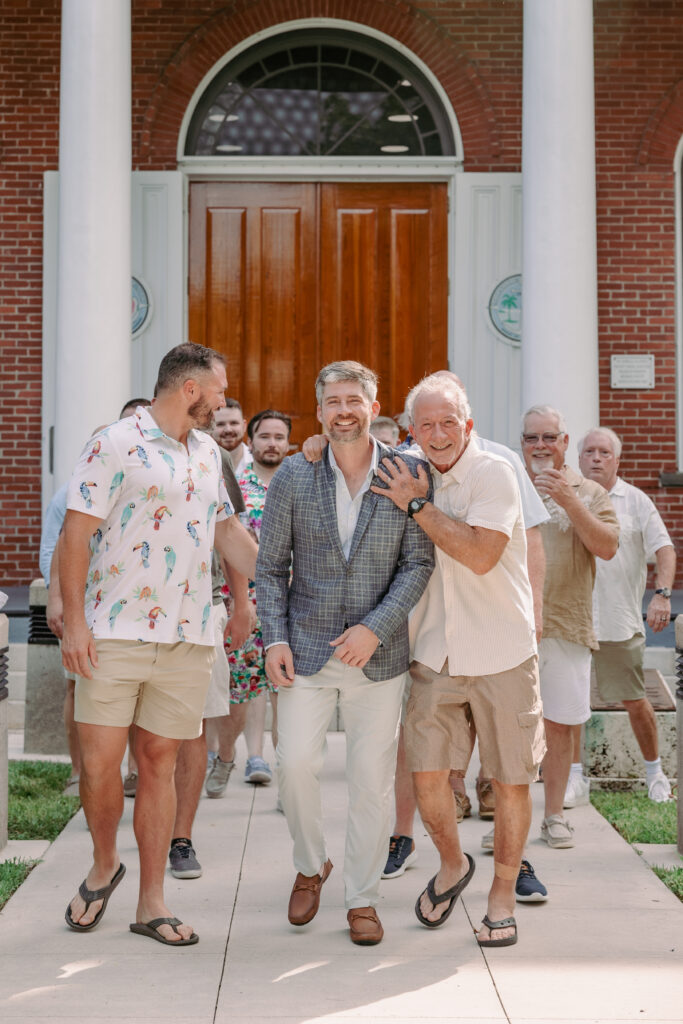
x=149 y=576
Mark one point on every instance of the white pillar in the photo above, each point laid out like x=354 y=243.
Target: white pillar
x=93 y=285
x=560 y=318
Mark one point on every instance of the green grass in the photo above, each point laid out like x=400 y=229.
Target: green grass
x=12 y=874
x=673 y=878
x=637 y=818
x=37 y=809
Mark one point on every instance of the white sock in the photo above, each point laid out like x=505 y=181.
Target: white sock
x=653 y=768
x=577 y=769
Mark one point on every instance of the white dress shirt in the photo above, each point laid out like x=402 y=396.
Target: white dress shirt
x=348 y=508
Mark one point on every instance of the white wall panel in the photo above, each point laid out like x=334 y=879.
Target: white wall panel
x=488 y=248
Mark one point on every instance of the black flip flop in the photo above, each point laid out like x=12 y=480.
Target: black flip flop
x=443 y=897
x=91 y=896
x=506 y=922
x=150 y=930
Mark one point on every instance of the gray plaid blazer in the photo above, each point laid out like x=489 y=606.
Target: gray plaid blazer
x=390 y=562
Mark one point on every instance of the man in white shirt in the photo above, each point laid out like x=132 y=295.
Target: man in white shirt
x=229 y=428
x=474 y=650
x=618 y=598
x=145 y=506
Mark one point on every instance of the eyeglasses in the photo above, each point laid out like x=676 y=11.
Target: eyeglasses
x=530 y=439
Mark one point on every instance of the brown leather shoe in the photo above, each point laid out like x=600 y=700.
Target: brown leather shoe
x=486 y=797
x=463 y=807
x=366 y=927
x=305 y=898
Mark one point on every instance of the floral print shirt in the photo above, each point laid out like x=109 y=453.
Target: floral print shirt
x=150 y=559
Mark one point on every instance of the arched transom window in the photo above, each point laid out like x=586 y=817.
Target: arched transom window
x=320 y=92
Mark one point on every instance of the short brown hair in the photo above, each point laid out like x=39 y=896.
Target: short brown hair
x=183 y=362
x=347 y=369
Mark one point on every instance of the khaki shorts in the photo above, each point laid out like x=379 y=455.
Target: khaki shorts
x=619 y=669
x=160 y=687
x=505 y=709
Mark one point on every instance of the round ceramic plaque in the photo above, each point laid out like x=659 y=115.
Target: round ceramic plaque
x=505 y=308
x=141 y=306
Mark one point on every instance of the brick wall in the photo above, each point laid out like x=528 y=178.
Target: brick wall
x=475 y=48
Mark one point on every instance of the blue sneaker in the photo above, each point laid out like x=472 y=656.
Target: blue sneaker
x=528 y=889
x=257 y=771
x=402 y=854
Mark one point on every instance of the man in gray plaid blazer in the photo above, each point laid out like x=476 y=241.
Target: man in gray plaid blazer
x=338 y=632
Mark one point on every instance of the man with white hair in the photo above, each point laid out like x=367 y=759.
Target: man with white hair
x=582 y=527
x=618 y=600
x=474 y=650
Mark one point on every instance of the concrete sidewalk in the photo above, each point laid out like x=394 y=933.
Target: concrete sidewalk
x=605 y=947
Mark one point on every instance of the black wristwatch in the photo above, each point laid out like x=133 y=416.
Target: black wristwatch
x=416 y=505
x=663 y=591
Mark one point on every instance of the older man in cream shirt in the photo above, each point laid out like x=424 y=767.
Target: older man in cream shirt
x=474 y=650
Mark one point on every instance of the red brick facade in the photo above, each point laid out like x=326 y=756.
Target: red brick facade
x=474 y=47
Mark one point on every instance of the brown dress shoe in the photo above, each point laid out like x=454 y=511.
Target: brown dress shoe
x=486 y=798
x=463 y=807
x=305 y=898
x=366 y=927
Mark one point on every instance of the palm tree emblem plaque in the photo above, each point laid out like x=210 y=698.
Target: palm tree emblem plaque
x=505 y=308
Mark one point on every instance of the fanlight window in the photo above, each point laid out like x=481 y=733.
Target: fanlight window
x=320 y=93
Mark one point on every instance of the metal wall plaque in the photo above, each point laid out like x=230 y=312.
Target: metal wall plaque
x=141 y=306
x=636 y=373
x=505 y=308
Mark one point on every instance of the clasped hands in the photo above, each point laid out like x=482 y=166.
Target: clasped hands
x=355 y=646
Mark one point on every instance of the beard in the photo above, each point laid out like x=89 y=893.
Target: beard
x=269 y=458
x=348 y=435
x=201 y=414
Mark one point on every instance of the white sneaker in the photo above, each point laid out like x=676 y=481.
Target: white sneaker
x=577 y=792
x=487 y=840
x=557 y=832
x=659 y=788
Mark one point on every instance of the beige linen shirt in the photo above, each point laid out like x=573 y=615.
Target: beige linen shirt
x=570 y=567
x=482 y=624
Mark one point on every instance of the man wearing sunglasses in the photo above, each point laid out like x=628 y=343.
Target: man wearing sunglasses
x=582 y=527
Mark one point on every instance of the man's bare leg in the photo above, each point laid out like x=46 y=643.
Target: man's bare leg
x=222 y=732
x=155 y=807
x=644 y=725
x=513 y=819
x=437 y=809
x=255 y=725
x=190 y=769
x=404 y=793
x=71 y=729
x=556 y=765
x=102 y=749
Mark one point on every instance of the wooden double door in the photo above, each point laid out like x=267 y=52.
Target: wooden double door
x=285 y=278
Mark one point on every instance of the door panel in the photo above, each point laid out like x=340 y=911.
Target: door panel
x=287 y=277
x=253 y=291
x=384 y=282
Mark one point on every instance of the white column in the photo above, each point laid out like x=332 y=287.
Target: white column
x=560 y=304
x=94 y=287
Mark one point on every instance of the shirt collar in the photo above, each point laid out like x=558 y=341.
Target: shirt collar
x=151 y=430
x=619 y=487
x=373 y=464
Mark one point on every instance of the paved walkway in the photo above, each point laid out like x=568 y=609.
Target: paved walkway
x=606 y=946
